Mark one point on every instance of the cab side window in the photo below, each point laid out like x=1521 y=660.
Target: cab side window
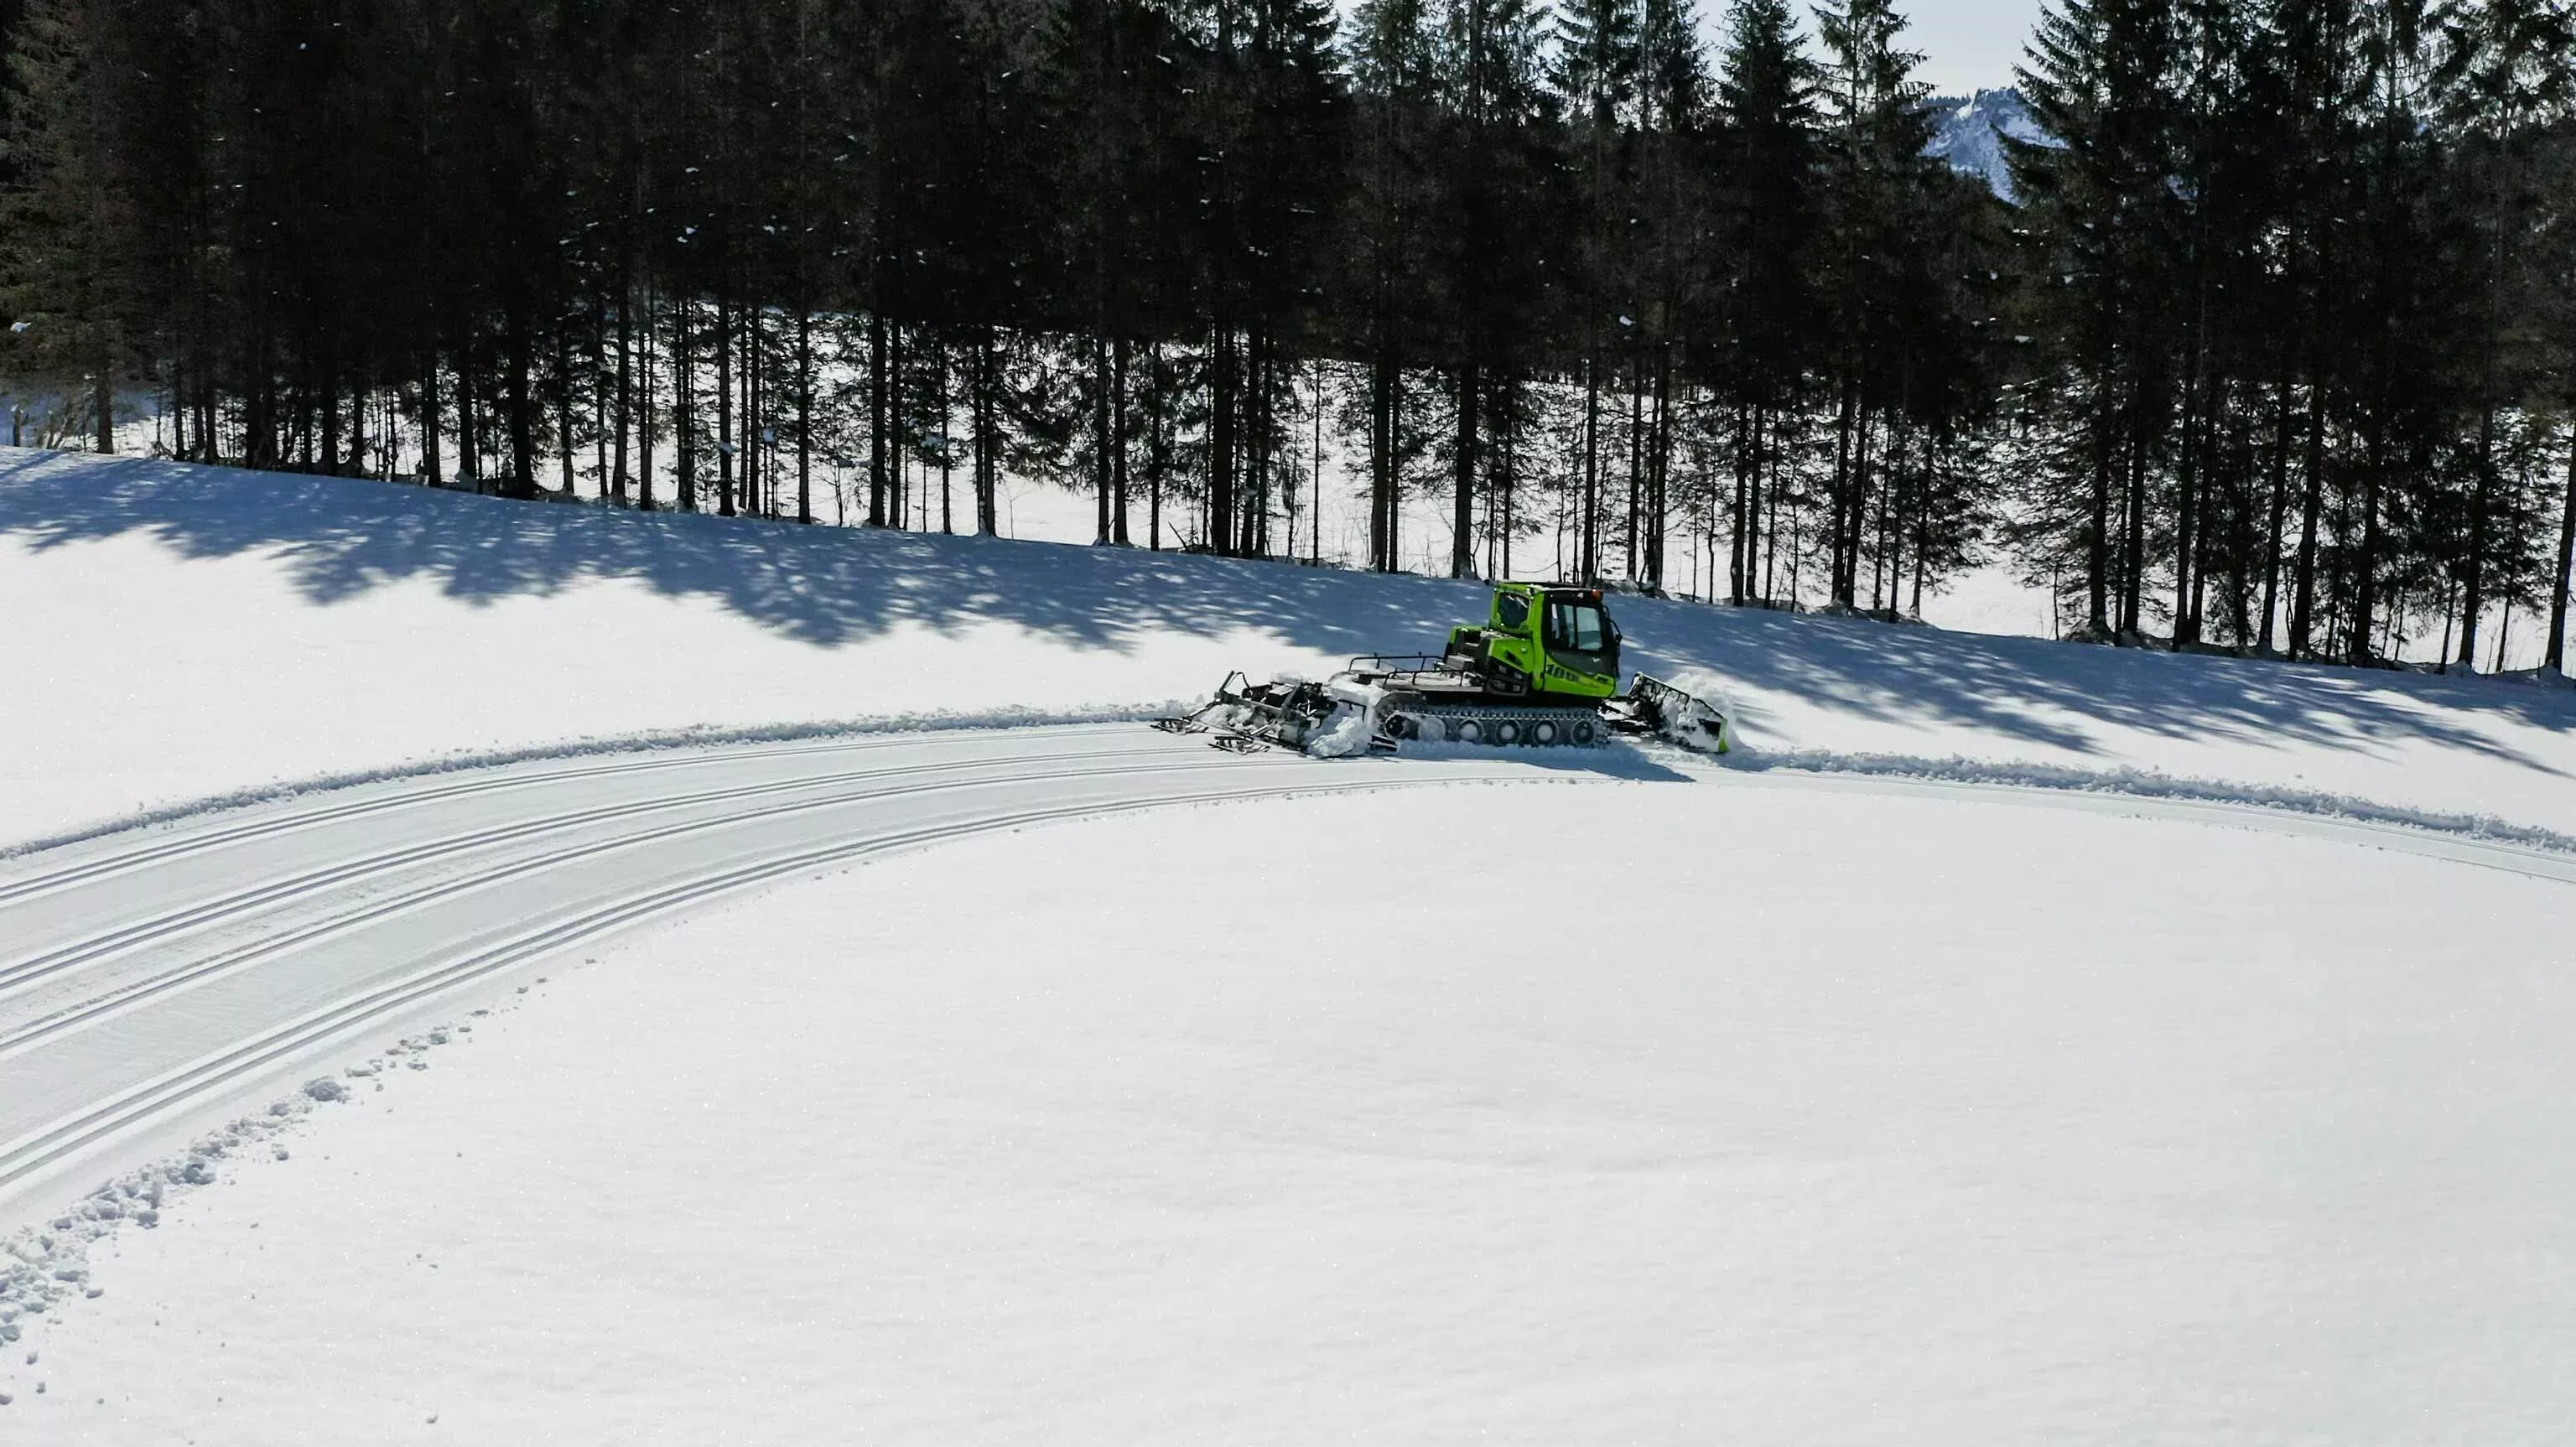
x=1586 y=629
x=1575 y=627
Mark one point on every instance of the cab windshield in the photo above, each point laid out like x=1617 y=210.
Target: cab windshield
x=1577 y=627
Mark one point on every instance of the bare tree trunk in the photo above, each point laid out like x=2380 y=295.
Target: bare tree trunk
x=1588 y=524
x=644 y=406
x=684 y=382
x=877 y=418
x=1221 y=440
x=516 y=396
x=2186 y=627
x=1118 y=442
x=2479 y=506
x=358 y=432
x=988 y=434
x=898 y=484
x=563 y=404
x=1739 y=503
x=1101 y=466
x=2365 y=569
x=947 y=447
x=2280 y=503
x=2097 y=540
x=725 y=446
x=2560 y=581
x=625 y=359
x=1659 y=468
x=331 y=417
x=804 y=415
x=2303 y=601
x=429 y=459
x=1462 y=561
x=1636 y=463
x=1846 y=404
x=756 y=484
x=469 y=414
x=1156 y=458
x=602 y=398
x=1385 y=398
x=103 y=398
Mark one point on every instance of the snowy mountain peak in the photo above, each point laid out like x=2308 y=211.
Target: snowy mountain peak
x=1969 y=134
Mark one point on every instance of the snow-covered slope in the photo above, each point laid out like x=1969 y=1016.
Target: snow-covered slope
x=1970 y=131
x=1839 y=1108
x=1870 y=1120
x=174 y=632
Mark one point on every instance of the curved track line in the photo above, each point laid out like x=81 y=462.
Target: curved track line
x=140 y=1104
x=606 y=907
x=90 y=1012
x=2399 y=834
x=2137 y=783
x=331 y=813
x=22 y=973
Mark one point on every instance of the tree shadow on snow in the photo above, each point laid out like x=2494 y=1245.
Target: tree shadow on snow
x=339 y=538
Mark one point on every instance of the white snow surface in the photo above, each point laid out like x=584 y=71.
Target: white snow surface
x=1841 y=1118
x=177 y=633
x=1883 y=1084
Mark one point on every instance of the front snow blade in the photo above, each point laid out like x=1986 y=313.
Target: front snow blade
x=1652 y=706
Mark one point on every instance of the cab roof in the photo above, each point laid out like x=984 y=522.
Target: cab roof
x=1553 y=590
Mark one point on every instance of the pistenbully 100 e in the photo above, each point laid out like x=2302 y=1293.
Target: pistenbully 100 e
x=1543 y=670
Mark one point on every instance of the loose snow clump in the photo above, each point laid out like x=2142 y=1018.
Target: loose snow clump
x=1346 y=736
x=41 y=1266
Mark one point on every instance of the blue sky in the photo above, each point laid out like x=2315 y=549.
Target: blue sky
x=1966 y=44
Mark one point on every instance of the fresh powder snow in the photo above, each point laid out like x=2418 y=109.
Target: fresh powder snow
x=1275 y=1122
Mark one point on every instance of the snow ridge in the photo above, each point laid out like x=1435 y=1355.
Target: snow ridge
x=2154 y=784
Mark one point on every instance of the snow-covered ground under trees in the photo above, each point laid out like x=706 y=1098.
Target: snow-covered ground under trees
x=176 y=632
x=2014 y=1042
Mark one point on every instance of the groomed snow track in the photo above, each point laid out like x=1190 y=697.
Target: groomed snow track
x=155 y=981
x=159 y=980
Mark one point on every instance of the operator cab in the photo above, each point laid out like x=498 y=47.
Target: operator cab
x=1578 y=632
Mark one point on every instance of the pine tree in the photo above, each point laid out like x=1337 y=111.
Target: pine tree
x=1767 y=88
x=1493 y=240
x=66 y=234
x=2503 y=72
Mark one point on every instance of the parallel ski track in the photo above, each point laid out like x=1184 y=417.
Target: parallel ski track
x=31 y=970
x=175 y=1089
x=135 y=992
x=267 y=824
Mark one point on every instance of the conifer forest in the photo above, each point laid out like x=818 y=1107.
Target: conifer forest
x=2267 y=342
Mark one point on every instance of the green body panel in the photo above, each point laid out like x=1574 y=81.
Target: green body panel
x=1512 y=650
